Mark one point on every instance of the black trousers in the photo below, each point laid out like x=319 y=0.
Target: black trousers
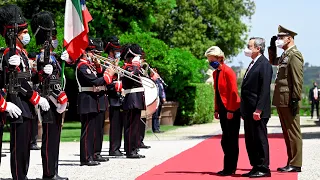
x=98 y=132
x=256 y=138
x=51 y=145
x=20 y=148
x=155 y=119
x=88 y=124
x=131 y=130
x=315 y=104
x=230 y=140
x=142 y=131
x=34 y=131
x=116 y=127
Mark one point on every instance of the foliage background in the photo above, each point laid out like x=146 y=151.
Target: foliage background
x=173 y=33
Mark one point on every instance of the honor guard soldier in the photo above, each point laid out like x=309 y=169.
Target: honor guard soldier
x=43 y=27
x=92 y=103
x=133 y=101
x=96 y=47
x=16 y=83
x=112 y=47
x=13 y=110
x=287 y=94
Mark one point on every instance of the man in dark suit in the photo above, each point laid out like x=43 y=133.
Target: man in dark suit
x=314 y=99
x=256 y=108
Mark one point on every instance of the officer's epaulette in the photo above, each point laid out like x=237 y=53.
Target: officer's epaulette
x=82 y=62
x=8 y=50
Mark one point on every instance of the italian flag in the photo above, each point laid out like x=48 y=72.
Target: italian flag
x=76 y=28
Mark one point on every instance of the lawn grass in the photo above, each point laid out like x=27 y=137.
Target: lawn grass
x=71 y=132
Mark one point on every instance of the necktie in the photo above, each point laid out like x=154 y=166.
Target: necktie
x=249 y=67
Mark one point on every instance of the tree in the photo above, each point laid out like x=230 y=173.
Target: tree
x=196 y=25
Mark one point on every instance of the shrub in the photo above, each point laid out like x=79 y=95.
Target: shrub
x=195 y=104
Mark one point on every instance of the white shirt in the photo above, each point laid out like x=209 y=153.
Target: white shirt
x=315 y=93
x=254 y=61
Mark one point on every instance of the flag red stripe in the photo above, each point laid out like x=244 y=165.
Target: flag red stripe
x=77 y=46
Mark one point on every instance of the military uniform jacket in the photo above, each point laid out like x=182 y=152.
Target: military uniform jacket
x=48 y=116
x=87 y=76
x=289 y=80
x=114 y=96
x=132 y=100
x=22 y=100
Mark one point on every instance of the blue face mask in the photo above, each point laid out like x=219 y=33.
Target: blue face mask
x=215 y=64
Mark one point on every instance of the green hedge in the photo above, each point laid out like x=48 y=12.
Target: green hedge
x=195 y=104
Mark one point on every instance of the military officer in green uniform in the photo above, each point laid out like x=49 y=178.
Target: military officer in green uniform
x=287 y=94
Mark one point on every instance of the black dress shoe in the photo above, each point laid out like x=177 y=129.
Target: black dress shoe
x=135 y=156
x=289 y=168
x=142 y=146
x=115 y=153
x=249 y=173
x=99 y=158
x=158 y=131
x=3 y=155
x=225 y=173
x=55 y=177
x=34 y=147
x=90 y=163
x=259 y=174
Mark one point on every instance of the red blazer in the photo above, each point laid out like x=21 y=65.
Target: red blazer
x=227 y=88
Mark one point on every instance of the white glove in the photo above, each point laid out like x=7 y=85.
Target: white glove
x=136 y=61
x=44 y=104
x=14 y=60
x=48 y=69
x=62 y=108
x=13 y=110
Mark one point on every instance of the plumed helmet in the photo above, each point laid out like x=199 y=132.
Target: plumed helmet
x=95 y=44
x=41 y=24
x=111 y=43
x=9 y=15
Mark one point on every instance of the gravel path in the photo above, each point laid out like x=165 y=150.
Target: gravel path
x=178 y=140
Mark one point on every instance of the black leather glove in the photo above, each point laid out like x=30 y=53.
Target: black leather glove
x=294 y=104
x=273 y=41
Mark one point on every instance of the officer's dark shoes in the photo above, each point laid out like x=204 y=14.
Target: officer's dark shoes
x=115 y=153
x=34 y=147
x=90 y=163
x=55 y=177
x=135 y=156
x=249 y=173
x=259 y=174
x=158 y=131
x=99 y=158
x=144 y=147
x=289 y=168
x=3 y=155
x=225 y=173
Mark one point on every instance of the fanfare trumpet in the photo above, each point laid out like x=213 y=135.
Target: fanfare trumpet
x=123 y=72
x=146 y=74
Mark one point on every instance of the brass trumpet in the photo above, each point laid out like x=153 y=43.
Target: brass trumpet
x=122 y=72
x=145 y=72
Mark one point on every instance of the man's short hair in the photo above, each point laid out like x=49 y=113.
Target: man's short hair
x=259 y=42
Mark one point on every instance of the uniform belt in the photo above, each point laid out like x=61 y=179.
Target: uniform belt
x=134 y=90
x=93 y=89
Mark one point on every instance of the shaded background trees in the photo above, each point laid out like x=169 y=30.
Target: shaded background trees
x=173 y=33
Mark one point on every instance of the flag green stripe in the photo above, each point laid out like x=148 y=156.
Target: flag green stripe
x=77 y=5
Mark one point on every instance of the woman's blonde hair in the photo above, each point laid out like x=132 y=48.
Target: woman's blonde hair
x=214 y=51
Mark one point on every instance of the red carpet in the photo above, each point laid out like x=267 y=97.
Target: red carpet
x=202 y=161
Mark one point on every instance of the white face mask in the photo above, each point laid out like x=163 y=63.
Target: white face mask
x=55 y=43
x=248 y=52
x=25 y=39
x=117 y=56
x=279 y=43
